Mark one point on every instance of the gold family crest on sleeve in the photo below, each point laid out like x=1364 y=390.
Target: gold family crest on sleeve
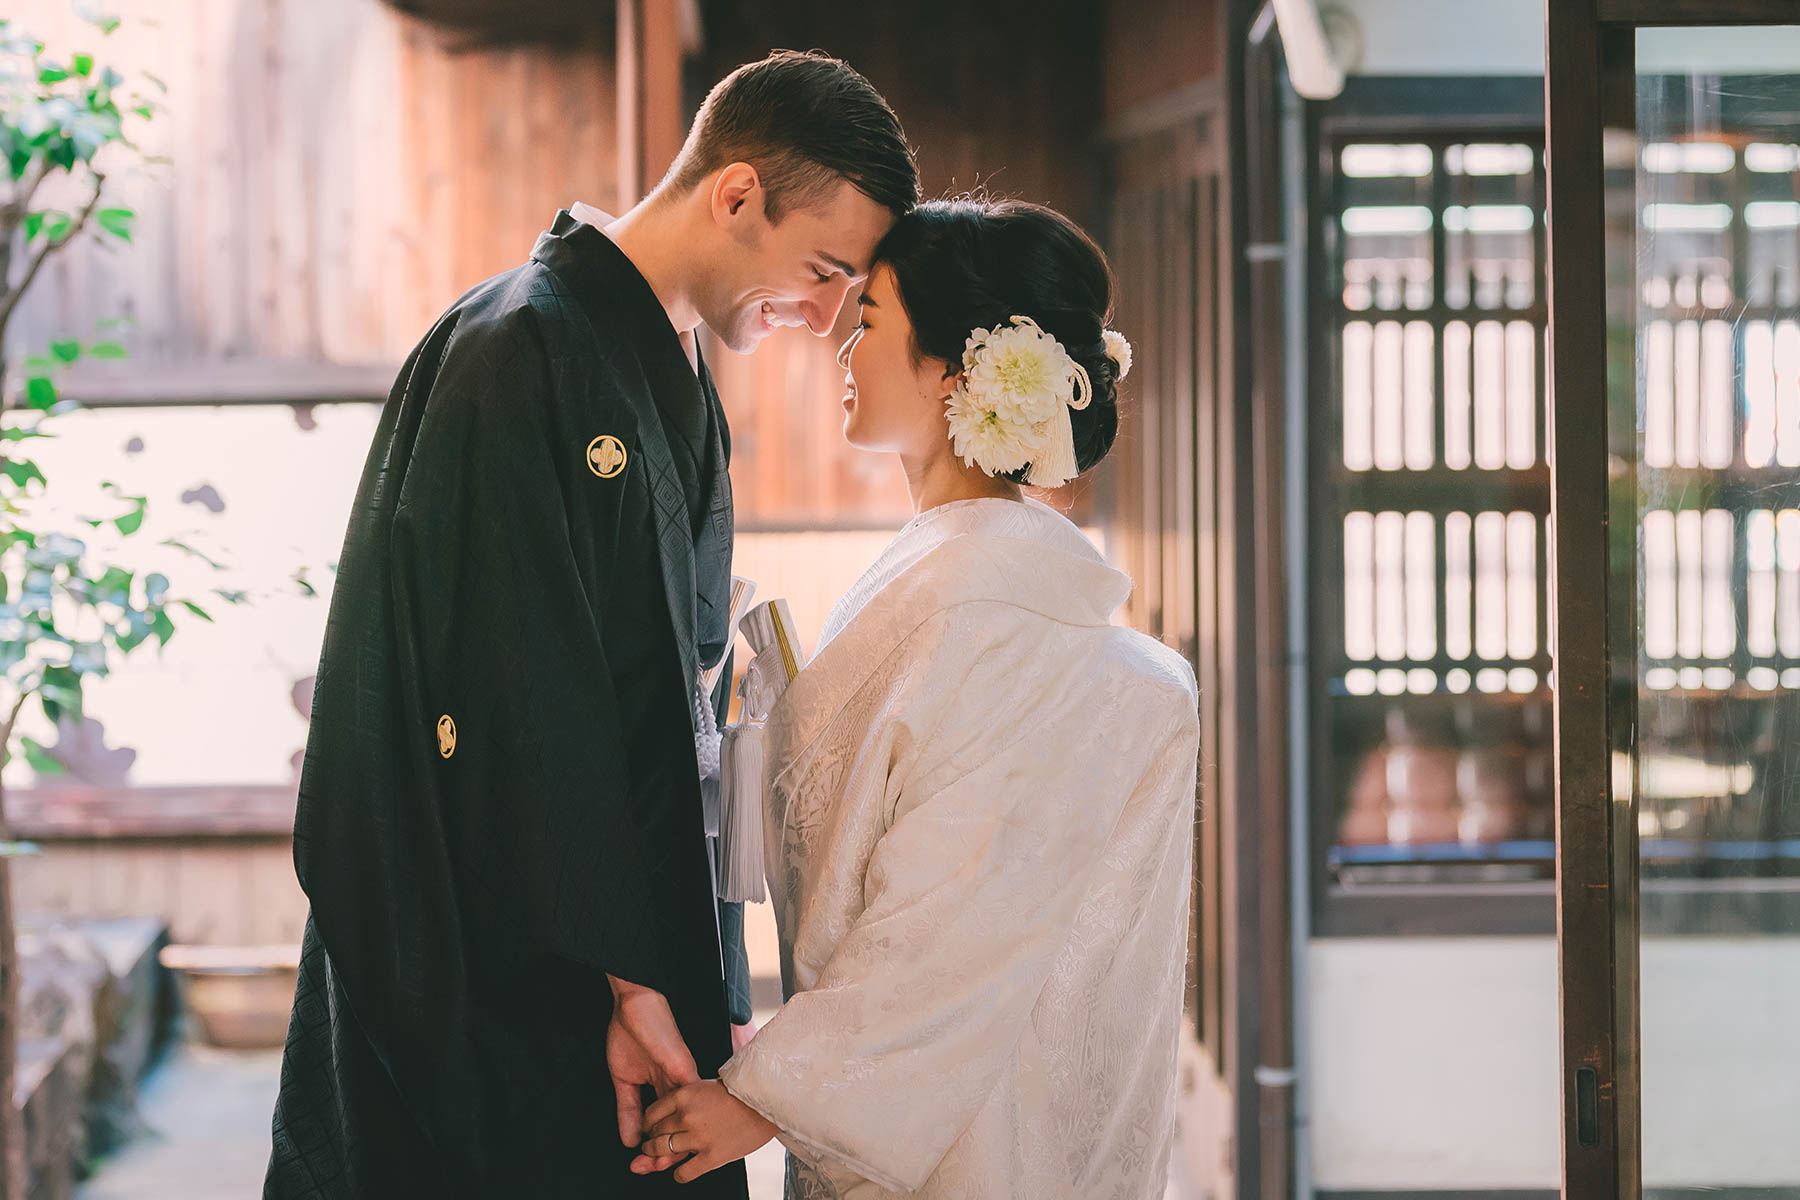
x=606 y=456
x=446 y=735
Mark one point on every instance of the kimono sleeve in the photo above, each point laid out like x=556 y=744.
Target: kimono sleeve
x=503 y=629
x=973 y=893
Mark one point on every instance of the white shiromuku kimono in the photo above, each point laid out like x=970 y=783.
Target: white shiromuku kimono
x=980 y=805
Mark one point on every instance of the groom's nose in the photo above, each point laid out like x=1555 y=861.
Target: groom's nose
x=821 y=309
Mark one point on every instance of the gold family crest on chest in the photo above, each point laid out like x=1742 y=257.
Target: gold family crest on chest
x=446 y=735
x=606 y=456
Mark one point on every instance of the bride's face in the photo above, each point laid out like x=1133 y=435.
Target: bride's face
x=894 y=398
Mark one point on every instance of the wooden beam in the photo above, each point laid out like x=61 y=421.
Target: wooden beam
x=238 y=382
x=1203 y=98
x=1698 y=12
x=77 y=812
x=652 y=117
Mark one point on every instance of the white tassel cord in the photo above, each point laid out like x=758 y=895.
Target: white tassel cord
x=1057 y=463
x=741 y=814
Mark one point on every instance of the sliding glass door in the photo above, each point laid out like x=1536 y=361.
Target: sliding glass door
x=1674 y=333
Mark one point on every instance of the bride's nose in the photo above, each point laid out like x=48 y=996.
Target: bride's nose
x=843 y=358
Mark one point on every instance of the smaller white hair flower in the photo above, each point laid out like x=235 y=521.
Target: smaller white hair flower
x=1119 y=350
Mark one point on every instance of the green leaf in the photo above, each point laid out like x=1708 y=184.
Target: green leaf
x=21 y=471
x=115 y=581
x=83 y=64
x=191 y=607
x=34 y=225
x=106 y=350
x=40 y=393
x=162 y=627
x=67 y=351
x=116 y=221
x=137 y=628
x=40 y=758
x=62 y=695
x=191 y=552
x=51 y=74
x=130 y=522
x=20 y=433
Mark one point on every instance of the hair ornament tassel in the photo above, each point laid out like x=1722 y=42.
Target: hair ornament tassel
x=1057 y=464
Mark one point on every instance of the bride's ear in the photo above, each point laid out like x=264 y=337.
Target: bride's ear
x=951 y=381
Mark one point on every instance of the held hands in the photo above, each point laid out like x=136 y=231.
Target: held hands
x=643 y=1049
x=706 y=1122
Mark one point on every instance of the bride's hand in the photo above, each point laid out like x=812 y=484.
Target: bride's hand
x=706 y=1125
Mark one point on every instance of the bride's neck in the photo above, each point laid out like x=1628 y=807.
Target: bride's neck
x=943 y=478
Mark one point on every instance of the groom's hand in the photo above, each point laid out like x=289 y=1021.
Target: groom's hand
x=643 y=1049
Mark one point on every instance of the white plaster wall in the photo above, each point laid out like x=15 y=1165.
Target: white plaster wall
x=1434 y=1062
x=1447 y=37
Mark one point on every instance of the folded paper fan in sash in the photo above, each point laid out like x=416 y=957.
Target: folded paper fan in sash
x=776 y=658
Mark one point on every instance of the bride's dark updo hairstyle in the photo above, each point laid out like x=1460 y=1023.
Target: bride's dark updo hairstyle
x=971 y=263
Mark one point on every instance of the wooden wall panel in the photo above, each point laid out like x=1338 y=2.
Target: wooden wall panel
x=337 y=174
x=231 y=892
x=1156 y=49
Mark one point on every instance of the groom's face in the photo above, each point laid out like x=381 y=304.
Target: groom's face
x=795 y=271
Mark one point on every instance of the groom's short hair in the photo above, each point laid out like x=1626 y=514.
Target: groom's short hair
x=804 y=121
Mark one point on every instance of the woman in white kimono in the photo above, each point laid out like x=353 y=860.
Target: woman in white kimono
x=980 y=793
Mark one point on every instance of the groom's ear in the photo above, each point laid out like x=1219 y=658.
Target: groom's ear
x=737 y=194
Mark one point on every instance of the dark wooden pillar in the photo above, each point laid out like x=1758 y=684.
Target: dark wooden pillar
x=652 y=121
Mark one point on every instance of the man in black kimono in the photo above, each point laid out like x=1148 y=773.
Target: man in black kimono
x=514 y=934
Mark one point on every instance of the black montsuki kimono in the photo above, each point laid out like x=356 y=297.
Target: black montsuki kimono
x=500 y=804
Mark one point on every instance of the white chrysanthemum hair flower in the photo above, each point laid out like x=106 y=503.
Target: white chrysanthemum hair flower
x=987 y=436
x=1010 y=409
x=1119 y=350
